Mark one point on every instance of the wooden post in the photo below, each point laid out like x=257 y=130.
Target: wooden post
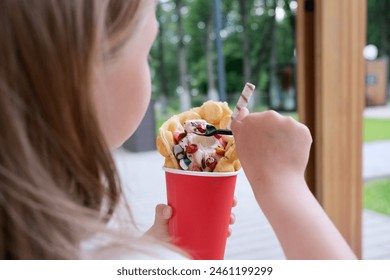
x=306 y=77
x=331 y=86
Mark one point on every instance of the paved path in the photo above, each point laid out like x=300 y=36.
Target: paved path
x=253 y=237
x=376 y=160
x=376 y=155
x=378 y=112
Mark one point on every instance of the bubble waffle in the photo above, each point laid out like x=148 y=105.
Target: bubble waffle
x=216 y=113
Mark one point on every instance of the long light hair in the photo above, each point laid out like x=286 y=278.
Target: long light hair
x=57 y=174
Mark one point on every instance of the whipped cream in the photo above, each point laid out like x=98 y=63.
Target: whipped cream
x=196 y=152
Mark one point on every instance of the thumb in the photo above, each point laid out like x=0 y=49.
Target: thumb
x=162 y=215
x=236 y=123
x=160 y=229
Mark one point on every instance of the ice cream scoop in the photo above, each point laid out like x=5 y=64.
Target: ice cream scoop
x=184 y=149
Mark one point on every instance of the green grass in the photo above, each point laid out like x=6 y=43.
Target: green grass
x=376 y=196
x=376 y=130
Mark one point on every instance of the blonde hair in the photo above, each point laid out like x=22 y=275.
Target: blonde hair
x=55 y=167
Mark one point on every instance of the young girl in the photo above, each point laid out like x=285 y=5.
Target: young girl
x=74 y=84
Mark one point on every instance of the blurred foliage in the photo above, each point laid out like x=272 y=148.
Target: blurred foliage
x=270 y=25
x=378 y=23
x=198 y=23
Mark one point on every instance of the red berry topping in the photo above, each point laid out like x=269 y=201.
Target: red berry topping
x=192 y=148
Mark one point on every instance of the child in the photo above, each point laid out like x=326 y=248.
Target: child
x=65 y=99
x=75 y=83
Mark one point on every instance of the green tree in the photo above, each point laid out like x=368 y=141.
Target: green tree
x=201 y=48
x=164 y=56
x=184 y=93
x=255 y=44
x=378 y=25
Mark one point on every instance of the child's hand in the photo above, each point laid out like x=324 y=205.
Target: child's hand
x=274 y=151
x=271 y=148
x=160 y=229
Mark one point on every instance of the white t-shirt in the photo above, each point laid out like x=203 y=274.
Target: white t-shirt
x=131 y=248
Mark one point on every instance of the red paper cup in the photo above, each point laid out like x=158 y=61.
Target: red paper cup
x=202 y=204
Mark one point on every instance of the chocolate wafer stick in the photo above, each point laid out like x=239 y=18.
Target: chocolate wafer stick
x=242 y=101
